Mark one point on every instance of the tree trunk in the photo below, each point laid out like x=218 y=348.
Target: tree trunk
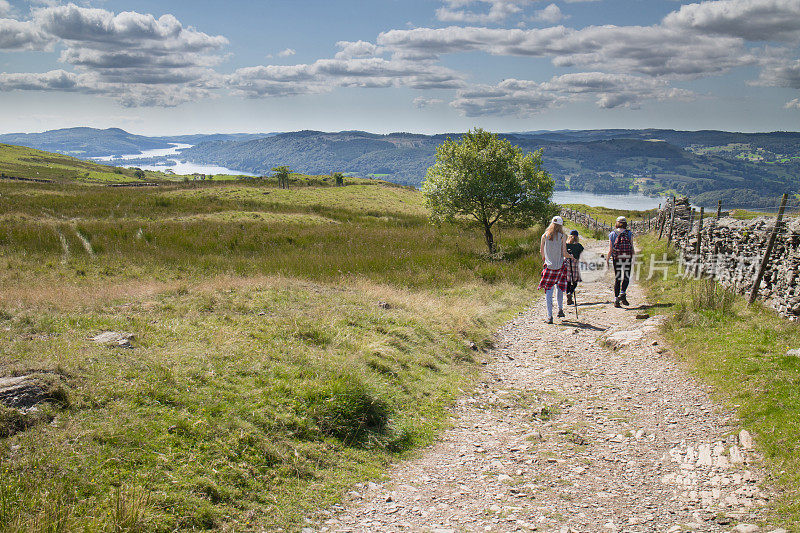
x=489 y=237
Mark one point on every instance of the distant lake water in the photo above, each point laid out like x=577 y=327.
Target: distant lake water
x=634 y=202
x=158 y=152
x=176 y=166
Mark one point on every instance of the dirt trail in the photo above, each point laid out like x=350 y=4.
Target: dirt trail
x=566 y=434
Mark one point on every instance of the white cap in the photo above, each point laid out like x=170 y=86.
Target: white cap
x=558 y=220
x=621 y=219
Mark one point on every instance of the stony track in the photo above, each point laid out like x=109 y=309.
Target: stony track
x=590 y=424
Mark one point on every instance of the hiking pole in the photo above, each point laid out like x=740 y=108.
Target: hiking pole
x=575 y=301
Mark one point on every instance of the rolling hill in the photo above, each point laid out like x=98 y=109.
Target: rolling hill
x=92 y=142
x=20 y=162
x=741 y=169
x=710 y=166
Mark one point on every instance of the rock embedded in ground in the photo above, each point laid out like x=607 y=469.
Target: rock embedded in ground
x=114 y=338
x=793 y=353
x=25 y=392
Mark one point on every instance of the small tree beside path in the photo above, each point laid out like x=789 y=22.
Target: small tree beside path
x=488 y=179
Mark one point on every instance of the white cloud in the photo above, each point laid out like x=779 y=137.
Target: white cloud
x=350 y=49
x=5 y=7
x=651 y=50
x=778 y=73
x=550 y=14
x=754 y=20
x=325 y=74
x=793 y=104
x=499 y=10
x=422 y=102
x=55 y=80
x=22 y=35
x=137 y=58
x=514 y=97
x=287 y=52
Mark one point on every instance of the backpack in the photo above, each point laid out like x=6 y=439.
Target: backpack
x=622 y=245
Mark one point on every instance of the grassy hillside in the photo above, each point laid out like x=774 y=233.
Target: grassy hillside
x=263 y=378
x=22 y=162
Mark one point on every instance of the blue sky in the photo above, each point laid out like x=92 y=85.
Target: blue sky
x=399 y=65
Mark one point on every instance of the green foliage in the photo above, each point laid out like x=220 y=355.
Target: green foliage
x=488 y=179
x=282 y=174
x=346 y=407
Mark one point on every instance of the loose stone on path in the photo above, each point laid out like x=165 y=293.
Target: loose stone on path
x=574 y=429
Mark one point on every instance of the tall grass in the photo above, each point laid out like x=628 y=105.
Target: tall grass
x=263 y=379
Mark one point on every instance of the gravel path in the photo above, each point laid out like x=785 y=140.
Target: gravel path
x=584 y=425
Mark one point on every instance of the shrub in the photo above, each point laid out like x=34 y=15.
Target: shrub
x=347 y=408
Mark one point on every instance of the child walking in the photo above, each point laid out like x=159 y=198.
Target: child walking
x=554 y=276
x=575 y=249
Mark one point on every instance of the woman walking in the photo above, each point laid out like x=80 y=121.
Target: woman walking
x=575 y=249
x=620 y=251
x=554 y=276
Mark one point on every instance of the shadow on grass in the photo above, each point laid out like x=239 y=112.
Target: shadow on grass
x=650 y=306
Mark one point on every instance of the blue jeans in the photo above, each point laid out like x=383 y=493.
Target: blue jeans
x=548 y=298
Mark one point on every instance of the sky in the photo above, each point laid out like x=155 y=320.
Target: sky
x=427 y=66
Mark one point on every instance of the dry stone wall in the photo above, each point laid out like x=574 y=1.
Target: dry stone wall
x=731 y=251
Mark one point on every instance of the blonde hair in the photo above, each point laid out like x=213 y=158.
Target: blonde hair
x=572 y=239
x=552 y=229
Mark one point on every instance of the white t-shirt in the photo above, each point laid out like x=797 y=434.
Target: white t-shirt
x=553 y=256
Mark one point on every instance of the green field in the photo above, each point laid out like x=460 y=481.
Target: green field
x=264 y=378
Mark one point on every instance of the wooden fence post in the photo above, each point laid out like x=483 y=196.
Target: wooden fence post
x=690 y=226
x=697 y=244
x=719 y=208
x=671 y=223
x=770 y=244
x=663 y=220
x=699 y=231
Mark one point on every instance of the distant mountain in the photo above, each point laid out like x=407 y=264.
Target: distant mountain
x=741 y=169
x=400 y=157
x=91 y=142
x=85 y=142
x=213 y=137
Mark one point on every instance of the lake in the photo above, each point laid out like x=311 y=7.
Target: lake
x=159 y=152
x=176 y=166
x=634 y=202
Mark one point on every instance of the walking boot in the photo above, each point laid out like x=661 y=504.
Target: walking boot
x=623 y=299
x=617 y=303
